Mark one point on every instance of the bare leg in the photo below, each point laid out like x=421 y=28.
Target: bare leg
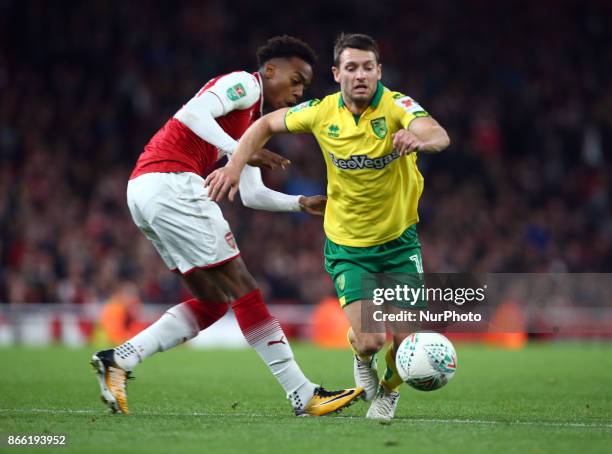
x=365 y=344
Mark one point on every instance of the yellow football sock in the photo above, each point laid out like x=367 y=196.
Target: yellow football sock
x=348 y=338
x=392 y=380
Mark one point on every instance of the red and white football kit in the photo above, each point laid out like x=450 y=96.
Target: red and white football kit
x=166 y=194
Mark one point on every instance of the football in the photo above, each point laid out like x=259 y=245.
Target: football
x=426 y=361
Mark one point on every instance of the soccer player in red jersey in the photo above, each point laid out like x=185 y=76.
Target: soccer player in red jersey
x=169 y=203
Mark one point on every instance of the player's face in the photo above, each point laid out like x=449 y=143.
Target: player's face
x=358 y=73
x=285 y=80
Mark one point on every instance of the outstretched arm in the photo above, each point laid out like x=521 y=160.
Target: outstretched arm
x=227 y=178
x=254 y=194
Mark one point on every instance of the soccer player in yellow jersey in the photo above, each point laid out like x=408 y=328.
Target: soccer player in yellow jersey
x=370 y=137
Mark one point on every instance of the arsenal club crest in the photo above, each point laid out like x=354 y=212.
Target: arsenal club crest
x=230 y=240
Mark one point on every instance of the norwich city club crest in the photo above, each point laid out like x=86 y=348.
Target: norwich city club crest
x=379 y=126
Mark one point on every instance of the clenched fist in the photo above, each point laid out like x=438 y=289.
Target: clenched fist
x=313 y=205
x=268 y=159
x=406 y=142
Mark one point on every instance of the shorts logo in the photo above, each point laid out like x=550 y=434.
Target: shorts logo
x=363 y=162
x=341 y=282
x=230 y=240
x=379 y=126
x=236 y=92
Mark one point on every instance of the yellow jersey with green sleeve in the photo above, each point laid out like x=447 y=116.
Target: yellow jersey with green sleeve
x=373 y=193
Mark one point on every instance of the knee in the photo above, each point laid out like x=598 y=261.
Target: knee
x=233 y=279
x=212 y=293
x=369 y=344
x=246 y=280
x=241 y=283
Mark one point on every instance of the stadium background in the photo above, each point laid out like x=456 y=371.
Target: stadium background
x=522 y=88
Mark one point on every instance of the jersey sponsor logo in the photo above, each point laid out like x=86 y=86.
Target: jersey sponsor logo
x=363 y=162
x=236 y=92
x=333 y=131
x=409 y=104
x=379 y=126
x=303 y=105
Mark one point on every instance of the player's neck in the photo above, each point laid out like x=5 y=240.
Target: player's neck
x=355 y=107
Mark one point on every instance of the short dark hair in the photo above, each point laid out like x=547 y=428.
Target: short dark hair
x=285 y=47
x=354 y=41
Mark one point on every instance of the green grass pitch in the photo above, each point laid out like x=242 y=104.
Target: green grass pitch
x=546 y=398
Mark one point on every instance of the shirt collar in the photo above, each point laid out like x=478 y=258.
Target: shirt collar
x=375 y=100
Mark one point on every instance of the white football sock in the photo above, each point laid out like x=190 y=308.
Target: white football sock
x=176 y=326
x=270 y=342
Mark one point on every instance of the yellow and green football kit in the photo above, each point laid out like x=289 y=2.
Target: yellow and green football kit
x=372 y=191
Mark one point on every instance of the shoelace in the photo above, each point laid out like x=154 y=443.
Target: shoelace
x=362 y=363
x=388 y=400
x=364 y=367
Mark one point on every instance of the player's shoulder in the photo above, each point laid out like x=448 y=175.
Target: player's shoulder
x=236 y=90
x=235 y=85
x=316 y=104
x=397 y=100
x=237 y=76
x=305 y=107
x=393 y=97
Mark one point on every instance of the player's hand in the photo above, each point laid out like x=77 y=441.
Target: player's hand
x=406 y=142
x=313 y=205
x=268 y=159
x=222 y=180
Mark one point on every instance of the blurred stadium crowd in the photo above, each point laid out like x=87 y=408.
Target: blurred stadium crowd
x=523 y=89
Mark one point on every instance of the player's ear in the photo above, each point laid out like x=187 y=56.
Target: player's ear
x=269 y=70
x=379 y=71
x=336 y=73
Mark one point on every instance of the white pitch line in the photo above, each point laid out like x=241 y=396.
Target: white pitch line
x=584 y=425
x=58 y=411
x=518 y=423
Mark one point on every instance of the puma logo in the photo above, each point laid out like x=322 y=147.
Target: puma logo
x=280 y=341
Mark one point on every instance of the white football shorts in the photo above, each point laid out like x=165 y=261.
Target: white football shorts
x=174 y=211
